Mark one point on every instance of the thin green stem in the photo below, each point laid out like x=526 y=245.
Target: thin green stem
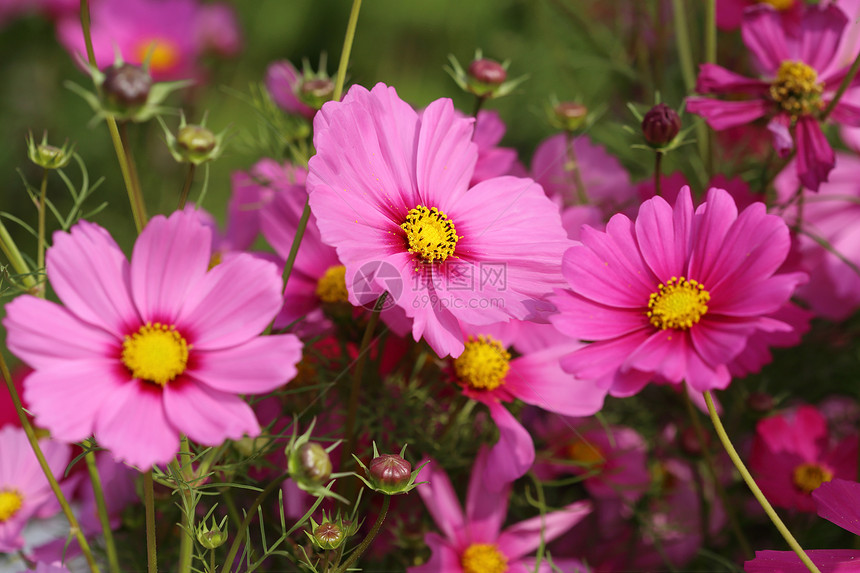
x=249 y=515
x=149 y=506
x=846 y=83
x=768 y=509
x=132 y=171
x=85 y=26
x=297 y=241
x=10 y=249
x=183 y=469
x=572 y=165
x=40 y=249
x=186 y=188
x=479 y=103
x=211 y=561
x=658 y=168
x=688 y=70
x=347 y=49
x=74 y=527
x=365 y=543
x=711 y=31
x=101 y=506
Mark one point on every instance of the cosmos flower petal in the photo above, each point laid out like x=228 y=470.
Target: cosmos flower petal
x=441 y=501
x=725 y=114
x=838 y=501
x=600 y=360
x=763 y=34
x=439 y=328
x=512 y=456
x=90 y=275
x=169 y=258
x=827 y=560
x=584 y=319
x=820 y=34
x=446 y=153
x=486 y=508
x=815 y=157
x=711 y=230
x=443 y=557
x=714 y=79
x=135 y=428
x=765 y=297
x=208 y=416
x=718 y=341
x=701 y=376
x=663 y=352
x=261 y=365
x=664 y=234
x=526 y=536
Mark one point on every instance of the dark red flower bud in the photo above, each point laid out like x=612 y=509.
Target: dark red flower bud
x=328 y=535
x=760 y=402
x=390 y=470
x=488 y=72
x=660 y=125
x=127 y=85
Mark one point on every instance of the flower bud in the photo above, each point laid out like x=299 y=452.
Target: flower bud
x=314 y=462
x=660 y=125
x=570 y=115
x=760 y=402
x=328 y=535
x=126 y=85
x=214 y=537
x=488 y=72
x=193 y=143
x=48 y=156
x=316 y=91
x=390 y=469
x=196 y=139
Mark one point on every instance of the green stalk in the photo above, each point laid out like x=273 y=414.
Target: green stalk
x=347 y=49
x=768 y=509
x=365 y=543
x=578 y=183
x=40 y=250
x=186 y=188
x=74 y=527
x=297 y=241
x=10 y=249
x=846 y=82
x=149 y=506
x=658 y=168
x=104 y=519
x=184 y=471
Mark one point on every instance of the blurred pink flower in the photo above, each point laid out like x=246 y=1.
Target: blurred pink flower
x=793 y=454
x=474 y=542
x=730 y=12
x=800 y=82
x=142 y=352
x=24 y=489
x=493 y=161
x=283 y=81
x=399 y=209
x=675 y=295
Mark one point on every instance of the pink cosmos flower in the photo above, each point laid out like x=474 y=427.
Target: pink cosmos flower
x=675 y=295
x=792 y=455
x=730 y=12
x=837 y=501
x=283 y=81
x=493 y=161
x=398 y=208
x=142 y=352
x=42 y=567
x=800 y=81
x=473 y=542
x=24 y=489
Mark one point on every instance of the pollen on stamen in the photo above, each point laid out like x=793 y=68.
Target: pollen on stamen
x=156 y=352
x=430 y=234
x=679 y=304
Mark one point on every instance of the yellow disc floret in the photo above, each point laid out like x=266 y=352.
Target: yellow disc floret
x=10 y=503
x=430 y=234
x=585 y=454
x=780 y=4
x=807 y=477
x=796 y=89
x=483 y=558
x=332 y=285
x=484 y=363
x=156 y=352
x=680 y=303
x=163 y=54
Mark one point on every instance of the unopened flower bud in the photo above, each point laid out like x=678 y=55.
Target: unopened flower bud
x=214 y=537
x=489 y=72
x=328 y=535
x=660 y=125
x=570 y=115
x=127 y=85
x=315 y=92
x=48 y=156
x=390 y=470
x=760 y=402
x=196 y=139
x=689 y=441
x=314 y=462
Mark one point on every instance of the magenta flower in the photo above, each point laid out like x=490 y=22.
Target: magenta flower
x=800 y=80
x=142 y=352
x=473 y=542
x=675 y=295
x=837 y=501
x=730 y=13
x=284 y=82
x=793 y=455
x=493 y=161
x=398 y=209
x=24 y=489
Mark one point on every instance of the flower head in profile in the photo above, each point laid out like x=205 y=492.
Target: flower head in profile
x=799 y=79
x=674 y=295
x=398 y=208
x=24 y=489
x=474 y=542
x=139 y=353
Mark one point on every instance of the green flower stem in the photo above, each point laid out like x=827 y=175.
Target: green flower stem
x=149 y=506
x=10 y=249
x=365 y=543
x=40 y=250
x=688 y=71
x=95 y=479
x=355 y=390
x=85 y=26
x=768 y=509
x=711 y=31
x=658 y=168
x=712 y=469
x=347 y=49
x=185 y=473
x=575 y=171
x=74 y=527
x=846 y=82
x=297 y=241
x=249 y=515
x=132 y=171
x=186 y=188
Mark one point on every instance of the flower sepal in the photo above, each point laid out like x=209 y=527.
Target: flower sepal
x=389 y=474
x=331 y=532
x=310 y=466
x=49 y=156
x=484 y=77
x=193 y=143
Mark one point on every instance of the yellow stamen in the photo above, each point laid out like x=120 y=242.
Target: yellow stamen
x=483 y=558
x=797 y=89
x=807 y=477
x=332 y=285
x=585 y=454
x=10 y=503
x=779 y=4
x=156 y=352
x=680 y=303
x=484 y=363
x=430 y=233
x=164 y=54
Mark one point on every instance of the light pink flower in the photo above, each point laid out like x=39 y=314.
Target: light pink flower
x=142 y=352
x=399 y=202
x=24 y=489
x=675 y=295
x=800 y=79
x=283 y=81
x=474 y=541
x=493 y=161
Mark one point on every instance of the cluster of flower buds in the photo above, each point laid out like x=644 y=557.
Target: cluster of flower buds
x=390 y=474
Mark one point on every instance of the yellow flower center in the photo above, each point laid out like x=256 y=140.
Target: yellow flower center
x=430 y=233
x=483 y=364
x=483 y=558
x=779 y=4
x=680 y=303
x=585 y=454
x=156 y=352
x=797 y=89
x=163 y=54
x=332 y=285
x=10 y=503
x=807 y=477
